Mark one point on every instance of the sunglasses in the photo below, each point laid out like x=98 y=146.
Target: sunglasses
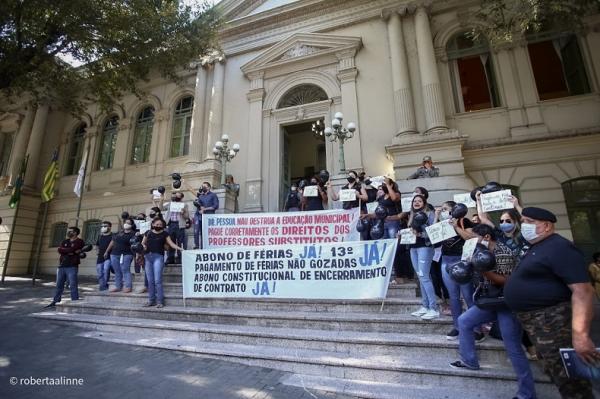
x=506 y=221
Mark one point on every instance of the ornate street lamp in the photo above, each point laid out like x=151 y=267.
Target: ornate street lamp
x=318 y=128
x=340 y=134
x=225 y=154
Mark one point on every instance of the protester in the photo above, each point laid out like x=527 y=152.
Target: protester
x=390 y=200
x=552 y=296
x=421 y=255
x=207 y=203
x=403 y=269
x=315 y=203
x=176 y=221
x=425 y=193
x=508 y=231
x=353 y=184
x=103 y=261
x=368 y=190
x=594 y=270
x=292 y=200
x=138 y=259
x=235 y=188
x=425 y=170
x=507 y=320
x=475 y=219
x=69 y=251
x=120 y=254
x=154 y=242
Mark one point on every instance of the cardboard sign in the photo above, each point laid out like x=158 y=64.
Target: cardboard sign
x=407 y=236
x=310 y=191
x=437 y=254
x=348 y=195
x=371 y=206
x=496 y=201
x=156 y=194
x=176 y=206
x=465 y=199
x=144 y=226
x=469 y=248
x=406 y=203
x=441 y=231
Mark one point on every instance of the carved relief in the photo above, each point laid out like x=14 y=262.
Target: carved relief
x=299 y=50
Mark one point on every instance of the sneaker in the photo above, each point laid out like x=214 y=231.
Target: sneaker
x=460 y=365
x=160 y=305
x=115 y=289
x=51 y=305
x=126 y=290
x=479 y=337
x=431 y=314
x=420 y=312
x=452 y=335
x=148 y=304
x=142 y=290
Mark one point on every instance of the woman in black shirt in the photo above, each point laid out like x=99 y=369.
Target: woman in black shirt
x=315 y=203
x=120 y=246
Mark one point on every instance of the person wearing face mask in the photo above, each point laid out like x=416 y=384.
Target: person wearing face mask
x=553 y=298
x=293 y=199
x=353 y=184
x=69 y=251
x=315 y=203
x=390 y=200
x=120 y=248
x=509 y=228
x=176 y=217
x=421 y=255
x=103 y=261
x=509 y=324
x=154 y=242
x=206 y=202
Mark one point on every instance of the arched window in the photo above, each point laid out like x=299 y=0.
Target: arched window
x=58 y=233
x=91 y=231
x=303 y=94
x=75 y=150
x=142 y=137
x=557 y=65
x=108 y=142
x=473 y=82
x=582 y=197
x=182 y=122
x=6 y=144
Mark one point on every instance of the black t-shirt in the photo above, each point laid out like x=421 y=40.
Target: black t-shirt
x=454 y=246
x=156 y=241
x=390 y=206
x=122 y=245
x=314 y=203
x=371 y=197
x=102 y=243
x=541 y=280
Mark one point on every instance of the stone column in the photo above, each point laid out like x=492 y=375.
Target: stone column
x=160 y=142
x=20 y=145
x=430 y=82
x=215 y=115
x=90 y=144
x=197 y=129
x=254 y=145
x=403 y=101
x=35 y=145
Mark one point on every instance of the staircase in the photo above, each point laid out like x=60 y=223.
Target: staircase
x=363 y=348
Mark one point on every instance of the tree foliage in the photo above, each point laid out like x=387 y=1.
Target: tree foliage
x=503 y=20
x=118 y=43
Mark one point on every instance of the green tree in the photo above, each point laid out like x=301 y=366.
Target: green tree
x=118 y=43
x=503 y=20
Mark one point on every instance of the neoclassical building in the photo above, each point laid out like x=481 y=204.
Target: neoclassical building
x=526 y=115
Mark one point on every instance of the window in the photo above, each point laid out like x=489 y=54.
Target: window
x=472 y=73
x=557 y=65
x=142 y=137
x=58 y=233
x=582 y=197
x=182 y=122
x=75 y=150
x=6 y=143
x=91 y=231
x=108 y=142
x=303 y=94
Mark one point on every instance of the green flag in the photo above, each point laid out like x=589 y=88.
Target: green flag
x=16 y=193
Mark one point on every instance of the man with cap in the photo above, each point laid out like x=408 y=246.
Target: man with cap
x=551 y=294
x=425 y=170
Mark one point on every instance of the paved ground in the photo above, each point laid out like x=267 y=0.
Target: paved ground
x=37 y=348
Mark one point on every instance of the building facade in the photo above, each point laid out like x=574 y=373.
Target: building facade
x=526 y=115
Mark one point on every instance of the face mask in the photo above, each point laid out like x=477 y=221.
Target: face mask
x=71 y=234
x=351 y=179
x=444 y=215
x=485 y=243
x=507 y=227
x=528 y=231
x=293 y=189
x=127 y=226
x=157 y=228
x=313 y=182
x=368 y=182
x=152 y=215
x=104 y=230
x=204 y=190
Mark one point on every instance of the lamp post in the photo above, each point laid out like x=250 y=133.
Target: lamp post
x=340 y=134
x=225 y=154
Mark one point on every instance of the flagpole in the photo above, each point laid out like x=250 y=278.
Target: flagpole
x=38 y=249
x=87 y=158
x=10 y=240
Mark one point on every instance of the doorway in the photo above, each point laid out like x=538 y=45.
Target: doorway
x=303 y=155
x=582 y=196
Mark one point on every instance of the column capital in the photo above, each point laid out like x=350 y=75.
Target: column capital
x=91 y=131
x=256 y=80
x=440 y=54
x=347 y=75
x=255 y=95
x=163 y=114
x=124 y=125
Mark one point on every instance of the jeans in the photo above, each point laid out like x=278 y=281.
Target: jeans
x=511 y=333
x=177 y=236
x=391 y=228
x=421 y=260
x=154 y=269
x=455 y=290
x=122 y=270
x=102 y=270
x=197 y=229
x=62 y=274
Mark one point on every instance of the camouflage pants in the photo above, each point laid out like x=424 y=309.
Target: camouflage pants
x=550 y=330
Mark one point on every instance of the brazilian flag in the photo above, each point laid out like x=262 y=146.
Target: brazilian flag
x=16 y=193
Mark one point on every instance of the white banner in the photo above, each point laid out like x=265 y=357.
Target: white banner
x=349 y=270
x=496 y=201
x=465 y=199
x=440 y=231
x=281 y=228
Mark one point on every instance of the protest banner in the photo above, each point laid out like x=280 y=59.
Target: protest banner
x=496 y=201
x=441 y=231
x=347 y=270
x=257 y=229
x=465 y=199
x=348 y=195
x=310 y=191
x=407 y=236
x=469 y=248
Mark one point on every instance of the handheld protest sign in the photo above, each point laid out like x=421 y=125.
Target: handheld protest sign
x=406 y=203
x=310 y=191
x=176 y=206
x=348 y=195
x=371 y=206
x=156 y=194
x=144 y=226
x=496 y=201
x=469 y=248
x=465 y=199
x=407 y=236
x=441 y=231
